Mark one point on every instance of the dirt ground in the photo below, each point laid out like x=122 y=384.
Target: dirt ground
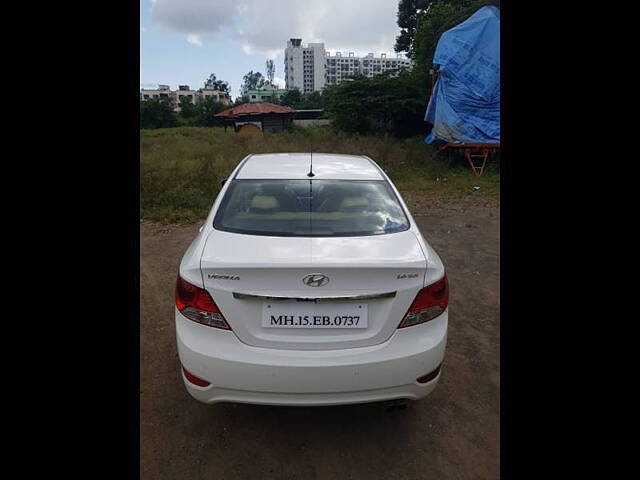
x=452 y=434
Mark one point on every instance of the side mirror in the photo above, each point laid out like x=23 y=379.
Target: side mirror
x=222 y=182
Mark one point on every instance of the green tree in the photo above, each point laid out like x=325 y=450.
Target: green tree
x=205 y=111
x=312 y=100
x=407 y=21
x=187 y=107
x=384 y=103
x=157 y=113
x=212 y=83
x=291 y=98
x=252 y=81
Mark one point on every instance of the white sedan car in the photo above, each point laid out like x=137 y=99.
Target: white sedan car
x=310 y=284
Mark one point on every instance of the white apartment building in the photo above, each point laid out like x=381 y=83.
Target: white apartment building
x=216 y=94
x=184 y=91
x=304 y=66
x=311 y=68
x=161 y=91
x=339 y=68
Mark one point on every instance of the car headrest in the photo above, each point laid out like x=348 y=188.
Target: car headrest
x=264 y=202
x=349 y=203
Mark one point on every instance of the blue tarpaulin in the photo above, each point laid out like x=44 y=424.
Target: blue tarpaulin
x=465 y=102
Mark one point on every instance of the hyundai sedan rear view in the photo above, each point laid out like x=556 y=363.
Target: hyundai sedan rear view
x=310 y=284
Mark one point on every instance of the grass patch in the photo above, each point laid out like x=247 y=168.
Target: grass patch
x=181 y=168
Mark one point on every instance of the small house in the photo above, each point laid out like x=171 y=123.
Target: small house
x=257 y=117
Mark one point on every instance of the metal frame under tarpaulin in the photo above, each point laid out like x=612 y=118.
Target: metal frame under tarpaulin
x=475 y=152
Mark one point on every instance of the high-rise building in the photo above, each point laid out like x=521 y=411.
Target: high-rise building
x=304 y=66
x=311 y=68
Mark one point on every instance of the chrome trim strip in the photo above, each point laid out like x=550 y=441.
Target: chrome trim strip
x=349 y=298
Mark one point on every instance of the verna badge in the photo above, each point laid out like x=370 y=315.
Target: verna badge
x=315 y=280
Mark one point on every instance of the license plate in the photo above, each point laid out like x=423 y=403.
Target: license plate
x=312 y=315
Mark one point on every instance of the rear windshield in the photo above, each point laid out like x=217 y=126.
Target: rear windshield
x=310 y=208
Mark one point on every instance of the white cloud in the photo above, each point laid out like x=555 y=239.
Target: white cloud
x=264 y=27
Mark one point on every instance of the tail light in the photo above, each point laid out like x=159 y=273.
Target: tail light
x=430 y=302
x=193 y=379
x=196 y=304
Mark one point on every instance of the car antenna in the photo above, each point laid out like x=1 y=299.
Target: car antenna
x=311 y=174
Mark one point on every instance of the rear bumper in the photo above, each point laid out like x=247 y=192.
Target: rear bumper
x=245 y=374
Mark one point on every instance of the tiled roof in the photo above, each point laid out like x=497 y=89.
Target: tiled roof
x=254 y=109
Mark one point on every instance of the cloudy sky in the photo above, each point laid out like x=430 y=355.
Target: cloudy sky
x=183 y=41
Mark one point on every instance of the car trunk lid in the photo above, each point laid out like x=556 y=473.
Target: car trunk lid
x=378 y=275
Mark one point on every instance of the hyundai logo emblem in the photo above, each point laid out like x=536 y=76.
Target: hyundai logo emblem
x=315 y=280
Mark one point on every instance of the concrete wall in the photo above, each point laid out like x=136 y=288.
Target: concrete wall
x=312 y=122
